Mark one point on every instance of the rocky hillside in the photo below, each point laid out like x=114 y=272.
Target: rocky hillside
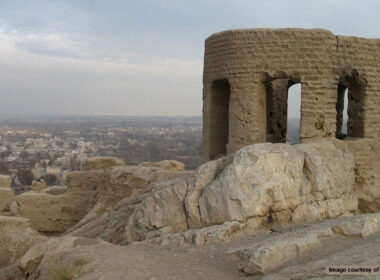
x=269 y=210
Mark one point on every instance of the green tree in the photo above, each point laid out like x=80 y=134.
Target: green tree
x=25 y=176
x=49 y=178
x=4 y=168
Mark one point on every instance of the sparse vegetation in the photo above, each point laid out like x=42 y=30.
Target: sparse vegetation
x=80 y=262
x=25 y=176
x=49 y=178
x=65 y=271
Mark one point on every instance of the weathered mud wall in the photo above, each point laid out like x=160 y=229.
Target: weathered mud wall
x=244 y=66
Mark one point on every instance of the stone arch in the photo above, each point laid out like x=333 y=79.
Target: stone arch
x=277 y=93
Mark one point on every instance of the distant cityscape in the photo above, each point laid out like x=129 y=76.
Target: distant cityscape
x=48 y=146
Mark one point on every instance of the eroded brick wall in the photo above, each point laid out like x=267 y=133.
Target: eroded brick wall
x=252 y=60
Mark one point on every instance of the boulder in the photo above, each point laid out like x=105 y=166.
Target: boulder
x=5 y=181
x=276 y=250
x=304 y=182
x=329 y=171
x=203 y=176
x=361 y=225
x=262 y=178
x=102 y=163
x=163 y=210
x=365 y=254
x=171 y=165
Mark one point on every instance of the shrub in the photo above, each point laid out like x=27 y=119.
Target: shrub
x=65 y=271
x=25 y=175
x=49 y=178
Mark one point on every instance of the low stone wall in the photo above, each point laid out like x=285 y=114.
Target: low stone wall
x=6 y=193
x=57 y=213
x=57 y=209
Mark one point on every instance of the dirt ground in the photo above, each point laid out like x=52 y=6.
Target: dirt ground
x=140 y=262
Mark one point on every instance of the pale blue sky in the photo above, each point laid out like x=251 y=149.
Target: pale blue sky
x=138 y=57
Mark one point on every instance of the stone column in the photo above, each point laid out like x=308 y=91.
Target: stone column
x=277 y=111
x=247 y=113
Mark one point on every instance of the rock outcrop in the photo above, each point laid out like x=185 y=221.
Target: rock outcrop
x=298 y=192
x=89 y=193
x=279 y=249
x=122 y=183
x=259 y=184
x=300 y=252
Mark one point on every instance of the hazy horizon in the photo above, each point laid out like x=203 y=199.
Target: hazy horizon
x=138 y=58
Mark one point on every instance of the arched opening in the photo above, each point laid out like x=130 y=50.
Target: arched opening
x=283 y=111
x=350 y=107
x=219 y=118
x=294 y=113
x=345 y=112
x=341 y=112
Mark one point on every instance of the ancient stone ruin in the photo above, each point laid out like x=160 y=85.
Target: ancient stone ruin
x=247 y=74
x=270 y=204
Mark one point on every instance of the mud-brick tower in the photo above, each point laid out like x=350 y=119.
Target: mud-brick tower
x=247 y=74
